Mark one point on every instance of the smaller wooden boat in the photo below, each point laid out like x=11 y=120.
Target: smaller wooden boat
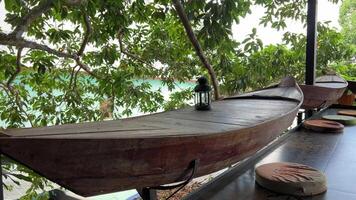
x=326 y=91
x=352 y=86
x=101 y=157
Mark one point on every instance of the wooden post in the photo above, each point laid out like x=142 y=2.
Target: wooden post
x=311 y=42
x=311 y=52
x=1 y=183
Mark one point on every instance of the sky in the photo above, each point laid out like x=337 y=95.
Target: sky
x=327 y=11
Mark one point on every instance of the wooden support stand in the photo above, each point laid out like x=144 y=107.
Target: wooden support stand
x=150 y=193
x=299 y=118
x=147 y=193
x=308 y=113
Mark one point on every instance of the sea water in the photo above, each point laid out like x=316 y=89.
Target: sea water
x=156 y=85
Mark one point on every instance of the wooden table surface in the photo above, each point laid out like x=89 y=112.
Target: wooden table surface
x=334 y=154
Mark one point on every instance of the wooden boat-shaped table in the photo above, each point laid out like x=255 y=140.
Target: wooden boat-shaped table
x=101 y=157
x=326 y=91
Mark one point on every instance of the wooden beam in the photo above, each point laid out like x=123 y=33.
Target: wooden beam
x=311 y=53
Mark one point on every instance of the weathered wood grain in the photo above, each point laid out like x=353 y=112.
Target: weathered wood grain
x=102 y=157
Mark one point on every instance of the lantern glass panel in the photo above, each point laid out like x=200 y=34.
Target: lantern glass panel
x=205 y=98
x=202 y=97
x=197 y=98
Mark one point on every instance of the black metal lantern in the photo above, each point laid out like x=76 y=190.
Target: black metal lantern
x=202 y=97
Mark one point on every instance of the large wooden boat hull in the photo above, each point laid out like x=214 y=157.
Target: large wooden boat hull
x=326 y=91
x=102 y=157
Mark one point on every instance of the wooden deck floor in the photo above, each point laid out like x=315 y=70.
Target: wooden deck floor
x=334 y=154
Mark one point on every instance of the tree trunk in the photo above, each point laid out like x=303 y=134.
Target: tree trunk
x=183 y=17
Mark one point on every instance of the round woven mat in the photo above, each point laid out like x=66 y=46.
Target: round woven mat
x=346 y=120
x=291 y=178
x=347 y=112
x=324 y=126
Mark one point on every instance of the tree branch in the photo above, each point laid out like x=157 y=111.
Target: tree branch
x=18 y=101
x=22 y=43
x=183 y=17
x=8 y=39
x=37 y=11
x=88 y=32
x=16 y=39
x=12 y=90
x=75 y=79
x=124 y=51
x=70 y=87
x=71 y=77
x=86 y=68
x=18 y=68
x=75 y=2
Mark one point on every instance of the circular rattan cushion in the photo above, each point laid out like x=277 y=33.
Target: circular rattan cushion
x=346 y=120
x=347 y=112
x=320 y=125
x=291 y=178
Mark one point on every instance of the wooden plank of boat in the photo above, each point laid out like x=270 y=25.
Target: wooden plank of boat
x=101 y=157
x=352 y=86
x=326 y=91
